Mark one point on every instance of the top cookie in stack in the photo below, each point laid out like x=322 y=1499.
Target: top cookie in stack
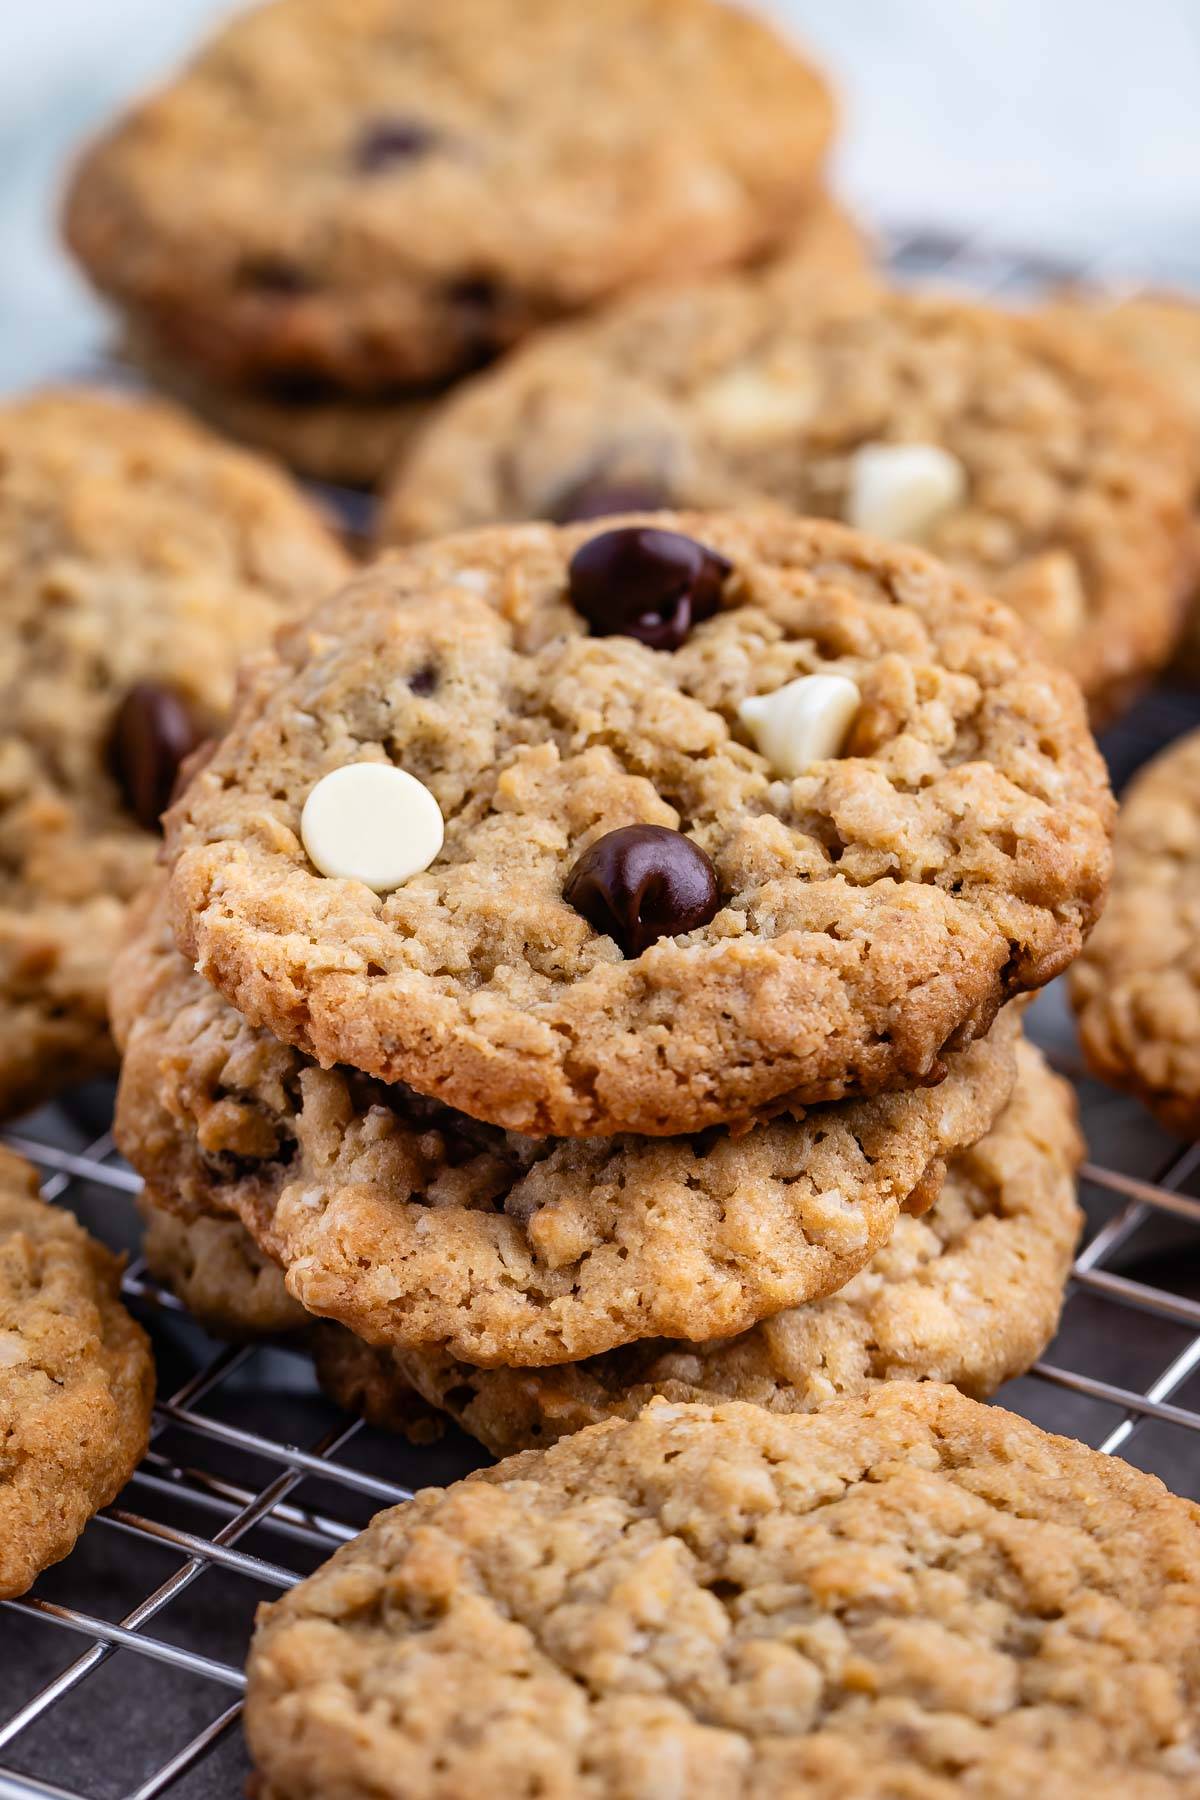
x=645 y=827
x=381 y=194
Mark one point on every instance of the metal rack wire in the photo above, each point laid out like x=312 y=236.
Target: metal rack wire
x=123 y=1667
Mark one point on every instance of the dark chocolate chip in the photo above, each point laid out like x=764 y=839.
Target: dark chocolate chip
x=388 y=141
x=647 y=584
x=597 y=498
x=153 y=730
x=641 y=883
x=424 y=680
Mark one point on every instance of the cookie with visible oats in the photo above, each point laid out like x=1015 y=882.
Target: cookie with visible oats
x=419 y=1228
x=907 y=1593
x=141 y=558
x=76 y=1380
x=968 y=1292
x=377 y=192
x=676 y=882
x=1027 y=454
x=1137 y=991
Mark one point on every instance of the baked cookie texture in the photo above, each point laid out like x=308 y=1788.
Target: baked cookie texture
x=874 y=912
x=1136 y=991
x=135 y=548
x=76 y=1380
x=358 y=440
x=1076 y=472
x=968 y=1292
x=382 y=192
x=415 y=1226
x=907 y=1593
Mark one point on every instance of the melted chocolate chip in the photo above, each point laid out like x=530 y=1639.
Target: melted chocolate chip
x=597 y=497
x=388 y=141
x=642 y=883
x=153 y=730
x=647 y=584
x=423 y=681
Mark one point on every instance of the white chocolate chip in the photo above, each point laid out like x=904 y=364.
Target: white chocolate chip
x=802 y=723
x=901 y=490
x=13 y=1350
x=371 y=822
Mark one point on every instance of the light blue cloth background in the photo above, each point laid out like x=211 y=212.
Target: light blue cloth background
x=1065 y=124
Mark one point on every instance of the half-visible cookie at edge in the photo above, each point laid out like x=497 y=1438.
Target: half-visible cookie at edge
x=797 y=933
x=906 y=1593
x=417 y=1227
x=76 y=1380
x=1136 y=991
x=141 y=559
x=968 y=1292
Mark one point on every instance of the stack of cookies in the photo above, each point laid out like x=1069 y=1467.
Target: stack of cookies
x=343 y=206
x=587 y=969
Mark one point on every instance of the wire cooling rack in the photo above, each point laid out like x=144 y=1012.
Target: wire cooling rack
x=122 y=1669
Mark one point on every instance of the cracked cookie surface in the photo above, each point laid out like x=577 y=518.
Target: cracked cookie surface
x=968 y=1292
x=1137 y=991
x=874 y=911
x=907 y=1593
x=1077 y=473
x=76 y=1380
x=135 y=548
x=381 y=191
x=415 y=1226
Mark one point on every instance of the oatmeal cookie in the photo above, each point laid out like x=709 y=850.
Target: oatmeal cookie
x=374 y=192
x=969 y=1292
x=1137 y=991
x=907 y=1593
x=140 y=559
x=417 y=1227
x=76 y=1380
x=671 y=881
x=1028 y=455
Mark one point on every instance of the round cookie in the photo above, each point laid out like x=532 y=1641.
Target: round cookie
x=374 y=192
x=907 y=1593
x=969 y=1292
x=1136 y=992
x=871 y=914
x=358 y=440
x=1062 y=483
x=76 y=1380
x=141 y=558
x=419 y=1228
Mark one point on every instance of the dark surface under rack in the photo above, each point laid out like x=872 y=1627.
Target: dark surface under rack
x=122 y=1669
